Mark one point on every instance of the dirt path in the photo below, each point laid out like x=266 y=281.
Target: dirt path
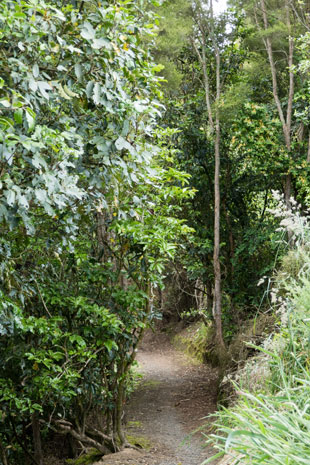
x=171 y=402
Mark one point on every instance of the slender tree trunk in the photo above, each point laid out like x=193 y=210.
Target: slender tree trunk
x=214 y=124
x=217 y=195
x=3 y=454
x=38 y=454
x=216 y=253
x=289 y=113
x=119 y=413
x=209 y=296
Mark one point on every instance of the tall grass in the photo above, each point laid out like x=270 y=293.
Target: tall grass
x=271 y=425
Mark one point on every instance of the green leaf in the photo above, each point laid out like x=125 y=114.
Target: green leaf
x=18 y=116
x=139 y=107
x=62 y=92
x=96 y=94
x=158 y=68
x=69 y=92
x=99 y=43
x=78 y=339
x=126 y=127
x=89 y=88
x=33 y=85
x=78 y=71
x=5 y=103
x=35 y=71
x=6 y=122
x=41 y=196
x=10 y=197
x=214 y=457
x=37 y=407
x=30 y=117
x=122 y=143
x=44 y=87
x=23 y=202
x=238 y=433
x=108 y=344
x=88 y=32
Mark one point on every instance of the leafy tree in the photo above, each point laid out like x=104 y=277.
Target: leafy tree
x=85 y=224
x=253 y=153
x=277 y=26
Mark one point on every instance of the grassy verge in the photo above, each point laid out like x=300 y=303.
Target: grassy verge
x=269 y=424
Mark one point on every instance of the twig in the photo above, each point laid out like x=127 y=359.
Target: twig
x=44 y=305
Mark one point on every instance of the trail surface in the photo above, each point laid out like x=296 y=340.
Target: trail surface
x=171 y=402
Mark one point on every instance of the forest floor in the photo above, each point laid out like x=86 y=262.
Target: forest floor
x=172 y=400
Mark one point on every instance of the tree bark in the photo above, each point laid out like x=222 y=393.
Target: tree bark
x=119 y=413
x=216 y=253
x=38 y=454
x=217 y=195
x=209 y=296
x=3 y=454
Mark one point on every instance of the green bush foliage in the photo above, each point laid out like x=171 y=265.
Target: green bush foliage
x=88 y=206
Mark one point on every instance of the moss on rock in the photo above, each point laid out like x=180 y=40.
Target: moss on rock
x=139 y=441
x=193 y=340
x=86 y=459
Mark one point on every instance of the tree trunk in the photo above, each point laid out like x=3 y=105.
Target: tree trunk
x=216 y=254
x=209 y=296
x=3 y=454
x=119 y=413
x=214 y=124
x=217 y=197
x=38 y=454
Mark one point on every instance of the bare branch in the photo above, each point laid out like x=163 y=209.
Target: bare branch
x=291 y=76
x=203 y=62
x=269 y=50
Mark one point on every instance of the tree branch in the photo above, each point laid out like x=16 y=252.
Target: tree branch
x=65 y=427
x=269 y=50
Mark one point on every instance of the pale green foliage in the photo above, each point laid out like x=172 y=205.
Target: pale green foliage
x=233 y=99
x=175 y=27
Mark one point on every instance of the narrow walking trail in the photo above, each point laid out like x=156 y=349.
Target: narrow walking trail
x=171 y=402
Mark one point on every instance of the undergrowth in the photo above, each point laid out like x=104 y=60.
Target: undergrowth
x=193 y=341
x=270 y=423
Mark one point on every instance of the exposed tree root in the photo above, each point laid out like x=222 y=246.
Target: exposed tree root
x=91 y=438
